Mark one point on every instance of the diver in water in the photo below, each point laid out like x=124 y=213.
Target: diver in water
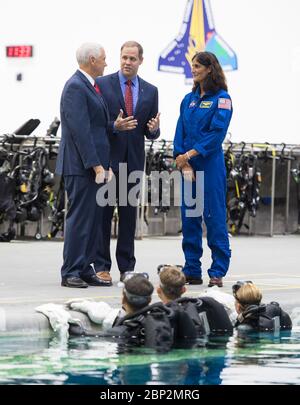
x=172 y=284
x=136 y=294
x=137 y=323
x=208 y=316
x=255 y=316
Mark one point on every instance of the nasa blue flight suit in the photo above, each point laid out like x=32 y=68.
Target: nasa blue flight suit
x=202 y=126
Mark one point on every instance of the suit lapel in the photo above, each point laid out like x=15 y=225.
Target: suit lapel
x=141 y=95
x=103 y=102
x=92 y=89
x=86 y=81
x=118 y=91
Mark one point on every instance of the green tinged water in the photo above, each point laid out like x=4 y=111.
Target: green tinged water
x=255 y=359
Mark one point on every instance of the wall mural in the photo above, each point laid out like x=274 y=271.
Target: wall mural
x=197 y=33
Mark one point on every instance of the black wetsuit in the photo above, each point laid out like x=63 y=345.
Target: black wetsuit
x=264 y=318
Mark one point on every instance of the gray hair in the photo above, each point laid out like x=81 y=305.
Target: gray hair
x=86 y=50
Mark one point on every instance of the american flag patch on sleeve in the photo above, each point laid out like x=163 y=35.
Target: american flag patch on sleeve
x=224 y=103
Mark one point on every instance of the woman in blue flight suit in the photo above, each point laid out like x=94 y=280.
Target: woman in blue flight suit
x=205 y=114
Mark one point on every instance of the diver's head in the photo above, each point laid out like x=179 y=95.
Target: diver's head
x=137 y=292
x=245 y=293
x=172 y=284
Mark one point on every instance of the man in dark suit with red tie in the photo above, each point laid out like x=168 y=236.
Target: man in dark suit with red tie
x=83 y=159
x=132 y=103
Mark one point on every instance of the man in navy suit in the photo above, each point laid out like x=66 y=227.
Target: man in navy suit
x=133 y=108
x=83 y=159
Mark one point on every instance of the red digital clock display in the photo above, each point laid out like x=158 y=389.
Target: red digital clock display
x=19 y=51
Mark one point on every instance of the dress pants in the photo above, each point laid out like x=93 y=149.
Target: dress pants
x=83 y=226
x=126 y=233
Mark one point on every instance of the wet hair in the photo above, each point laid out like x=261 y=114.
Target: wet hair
x=172 y=280
x=215 y=79
x=86 y=50
x=138 y=291
x=131 y=44
x=248 y=294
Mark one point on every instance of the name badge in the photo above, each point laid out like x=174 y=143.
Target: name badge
x=206 y=104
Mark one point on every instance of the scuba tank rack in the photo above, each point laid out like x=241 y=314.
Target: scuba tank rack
x=27 y=180
x=255 y=177
x=263 y=182
x=293 y=170
x=159 y=159
x=243 y=187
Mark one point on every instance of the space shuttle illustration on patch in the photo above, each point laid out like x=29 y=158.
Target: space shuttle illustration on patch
x=197 y=33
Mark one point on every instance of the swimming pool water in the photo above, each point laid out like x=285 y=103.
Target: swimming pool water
x=253 y=359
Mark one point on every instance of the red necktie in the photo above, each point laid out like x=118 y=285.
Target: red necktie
x=97 y=88
x=128 y=98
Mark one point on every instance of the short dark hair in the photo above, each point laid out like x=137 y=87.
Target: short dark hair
x=138 y=291
x=130 y=44
x=172 y=281
x=216 y=79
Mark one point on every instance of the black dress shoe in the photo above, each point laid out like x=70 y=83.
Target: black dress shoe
x=95 y=281
x=73 y=282
x=124 y=273
x=193 y=280
x=215 y=281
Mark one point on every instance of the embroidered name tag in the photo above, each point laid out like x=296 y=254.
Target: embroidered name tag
x=224 y=103
x=206 y=104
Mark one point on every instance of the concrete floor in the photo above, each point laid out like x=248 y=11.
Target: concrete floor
x=30 y=272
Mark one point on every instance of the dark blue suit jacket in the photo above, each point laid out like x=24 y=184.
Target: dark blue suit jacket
x=129 y=146
x=84 y=121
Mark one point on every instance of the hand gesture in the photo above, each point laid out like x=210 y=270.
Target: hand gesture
x=153 y=124
x=125 y=124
